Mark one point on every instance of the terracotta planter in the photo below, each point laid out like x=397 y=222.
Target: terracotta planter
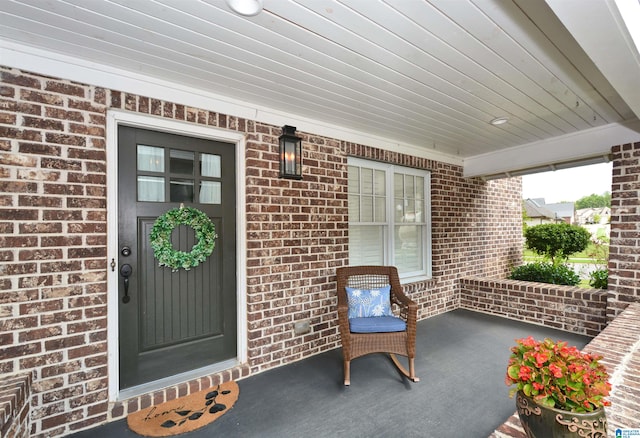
x=543 y=422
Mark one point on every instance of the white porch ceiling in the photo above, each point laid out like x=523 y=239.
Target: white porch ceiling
x=424 y=76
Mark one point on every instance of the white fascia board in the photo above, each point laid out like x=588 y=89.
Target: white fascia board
x=571 y=147
x=609 y=32
x=65 y=67
x=87 y=72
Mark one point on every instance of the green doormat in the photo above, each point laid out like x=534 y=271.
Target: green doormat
x=185 y=414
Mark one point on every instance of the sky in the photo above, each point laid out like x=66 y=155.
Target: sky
x=569 y=184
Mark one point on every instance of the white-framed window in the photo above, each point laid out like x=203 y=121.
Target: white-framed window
x=390 y=217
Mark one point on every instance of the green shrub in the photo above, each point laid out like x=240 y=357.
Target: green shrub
x=543 y=272
x=557 y=241
x=599 y=279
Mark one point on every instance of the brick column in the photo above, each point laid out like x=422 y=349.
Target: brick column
x=624 y=256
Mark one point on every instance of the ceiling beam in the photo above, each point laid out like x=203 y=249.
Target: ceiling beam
x=609 y=32
x=579 y=148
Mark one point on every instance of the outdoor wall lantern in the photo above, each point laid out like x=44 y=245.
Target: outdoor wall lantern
x=290 y=153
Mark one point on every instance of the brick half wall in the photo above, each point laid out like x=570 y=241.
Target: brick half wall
x=566 y=308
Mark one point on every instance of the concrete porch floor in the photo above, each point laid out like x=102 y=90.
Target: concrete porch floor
x=461 y=361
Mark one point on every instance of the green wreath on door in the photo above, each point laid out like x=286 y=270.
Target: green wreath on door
x=160 y=238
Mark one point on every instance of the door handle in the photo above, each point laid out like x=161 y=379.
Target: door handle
x=125 y=271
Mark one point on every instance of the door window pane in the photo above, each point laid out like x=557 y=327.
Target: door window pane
x=181 y=162
x=150 y=188
x=210 y=192
x=181 y=190
x=210 y=165
x=150 y=158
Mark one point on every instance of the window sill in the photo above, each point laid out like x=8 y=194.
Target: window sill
x=417 y=279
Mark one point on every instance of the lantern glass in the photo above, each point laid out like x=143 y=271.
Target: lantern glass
x=290 y=154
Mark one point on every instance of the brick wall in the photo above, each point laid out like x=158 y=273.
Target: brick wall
x=15 y=398
x=477 y=226
x=624 y=259
x=53 y=313
x=563 y=307
x=53 y=235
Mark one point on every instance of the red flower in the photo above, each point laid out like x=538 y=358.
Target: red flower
x=558 y=375
x=541 y=358
x=525 y=373
x=555 y=370
x=575 y=368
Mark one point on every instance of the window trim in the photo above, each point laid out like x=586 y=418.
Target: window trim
x=389 y=225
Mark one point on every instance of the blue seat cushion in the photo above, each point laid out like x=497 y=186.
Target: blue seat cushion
x=377 y=324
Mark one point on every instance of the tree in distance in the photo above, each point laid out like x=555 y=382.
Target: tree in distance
x=594 y=201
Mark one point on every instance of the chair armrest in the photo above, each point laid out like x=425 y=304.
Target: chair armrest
x=401 y=299
x=343 y=317
x=408 y=309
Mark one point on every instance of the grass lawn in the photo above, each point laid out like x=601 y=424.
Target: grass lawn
x=530 y=256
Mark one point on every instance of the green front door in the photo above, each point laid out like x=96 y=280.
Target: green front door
x=174 y=322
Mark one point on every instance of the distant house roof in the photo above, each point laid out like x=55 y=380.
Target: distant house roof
x=562 y=209
x=534 y=209
x=537 y=208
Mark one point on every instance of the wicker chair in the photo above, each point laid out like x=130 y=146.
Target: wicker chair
x=355 y=345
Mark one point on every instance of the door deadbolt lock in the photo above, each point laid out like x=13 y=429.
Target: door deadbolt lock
x=125 y=251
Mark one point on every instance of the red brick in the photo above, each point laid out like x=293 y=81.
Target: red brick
x=18 y=268
x=20 y=80
x=40 y=97
x=18 y=187
x=39 y=201
x=22 y=214
x=19 y=350
x=41 y=360
x=61 y=164
x=40 y=228
x=65 y=139
x=65 y=88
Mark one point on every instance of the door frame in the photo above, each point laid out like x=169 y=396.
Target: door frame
x=116 y=118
